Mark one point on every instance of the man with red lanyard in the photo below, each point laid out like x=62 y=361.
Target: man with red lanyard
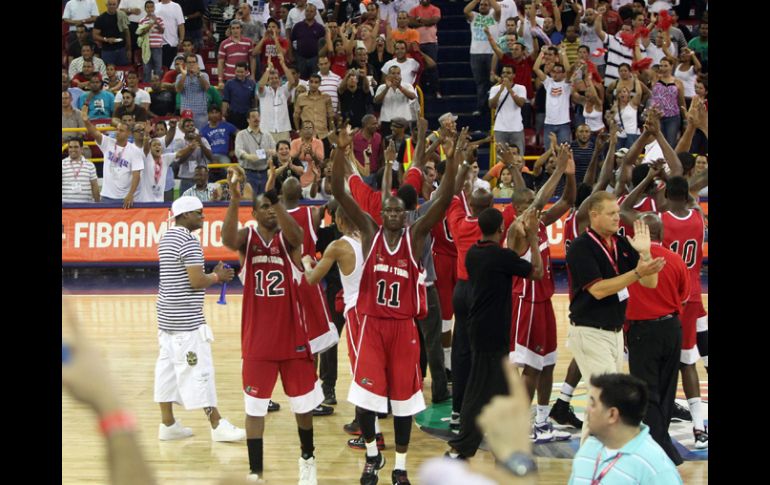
x=655 y=335
x=621 y=449
x=602 y=265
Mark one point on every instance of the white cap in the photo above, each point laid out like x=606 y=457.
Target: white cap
x=622 y=152
x=447 y=116
x=185 y=204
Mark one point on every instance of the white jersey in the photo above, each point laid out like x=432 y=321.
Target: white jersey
x=351 y=282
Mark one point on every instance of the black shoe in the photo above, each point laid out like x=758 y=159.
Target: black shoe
x=372 y=466
x=352 y=428
x=399 y=478
x=273 y=406
x=680 y=414
x=322 y=410
x=564 y=414
x=330 y=397
x=359 y=443
x=382 y=415
x=454 y=422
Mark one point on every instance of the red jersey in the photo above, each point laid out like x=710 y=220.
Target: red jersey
x=268 y=47
x=646 y=204
x=339 y=64
x=570 y=228
x=414 y=177
x=672 y=290
x=465 y=230
x=367 y=198
x=684 y=236
x=271 y=325
x=304 y=217
x=443 y=242
x=390 y=280
x=534 y=291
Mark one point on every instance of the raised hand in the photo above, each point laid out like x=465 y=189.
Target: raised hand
x=390 y=152
x=641 y=239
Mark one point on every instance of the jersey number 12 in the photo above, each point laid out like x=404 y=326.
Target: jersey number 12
x=273 y=280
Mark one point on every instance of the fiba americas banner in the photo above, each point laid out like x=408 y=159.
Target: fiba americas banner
x=93 y=234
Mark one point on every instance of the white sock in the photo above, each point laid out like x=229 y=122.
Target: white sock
x=542 y=413
x=696 y=409
x=371 y=448
x=705 y=360
x=400 y=461
x=566 y=392
x=377 y=425
x=452 y=454
x=448 y=358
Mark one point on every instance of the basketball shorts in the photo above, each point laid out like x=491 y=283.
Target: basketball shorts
x=694 y=318
x=388 y=366
x=353 y=327
x=533 y=333
x=446 y=279
x=297 y=376
x=320 y=329
x=184 y=371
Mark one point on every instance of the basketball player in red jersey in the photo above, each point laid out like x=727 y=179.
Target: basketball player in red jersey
x=683 y=230
x=653 y=196
x=533 y=329
x=273 y=338
x=387 y=365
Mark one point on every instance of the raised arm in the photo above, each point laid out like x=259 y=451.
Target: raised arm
x=468 y=10
x=90 y=128
x=672 y=159
x=292 y=232
x=546 y=191
x=493 y=44
x=419 y=150
x=627 y=212
x=593 y=166
x=567 y=199
x=598 y=28
x=233 y=238
x=364 y=223
x=536 y=68
x=444 y=195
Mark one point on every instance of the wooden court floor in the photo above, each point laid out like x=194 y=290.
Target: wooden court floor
x=125 y=328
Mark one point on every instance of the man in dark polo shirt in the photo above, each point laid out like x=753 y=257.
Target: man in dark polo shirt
x=305 y=37
x=238 y=97
x=602 y=266
x=655 y=335
x=490 y=269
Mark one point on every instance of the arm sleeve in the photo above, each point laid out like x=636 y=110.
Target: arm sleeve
x=511 y=264
x=190 y=253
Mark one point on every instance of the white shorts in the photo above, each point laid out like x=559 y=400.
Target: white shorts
x=184 y=372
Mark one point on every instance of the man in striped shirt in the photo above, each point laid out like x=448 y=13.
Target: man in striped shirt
x=233 y=50
x=617 y=51
x=330 y=82
x=78 y=176
x=184 y=372
x=155 y=33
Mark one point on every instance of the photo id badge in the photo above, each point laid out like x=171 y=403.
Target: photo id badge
x=76 y=187
x=261 y=154
x=623 y=294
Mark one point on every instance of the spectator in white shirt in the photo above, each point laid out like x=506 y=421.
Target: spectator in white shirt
x=78 y=176
x=330 y=82
x=557 y=101
x=274 y=101
x=408 y=66
x=508 y=98
x=394 y=95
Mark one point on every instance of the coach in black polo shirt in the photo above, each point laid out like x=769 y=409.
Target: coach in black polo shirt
x=602 y=265
x=490 y=269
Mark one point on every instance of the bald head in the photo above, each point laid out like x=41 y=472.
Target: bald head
x=291 y=189
x=480 y=199
x=522 y=199
x=655 y=224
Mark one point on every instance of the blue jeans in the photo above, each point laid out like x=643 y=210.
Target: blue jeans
x=155 y=64
x=563 y=134
x=185 y=184
x=627 y=141
x=257 y=179
x=430 y=77
x=481 y=65
x=306 y=65
x=117 y=57
x=670 y=128
x=511 y=138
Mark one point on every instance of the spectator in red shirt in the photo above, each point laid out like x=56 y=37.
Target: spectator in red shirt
x=424 y=18
x=271 y=44
x=611 y=20
x=82 y=79
x=367 y=144
x=233 y=50
x=655 y=335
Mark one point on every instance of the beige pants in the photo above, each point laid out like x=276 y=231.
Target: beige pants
x=281 y=135
x=596 y=352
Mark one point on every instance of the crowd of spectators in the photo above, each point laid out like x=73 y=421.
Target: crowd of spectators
x=543 y=67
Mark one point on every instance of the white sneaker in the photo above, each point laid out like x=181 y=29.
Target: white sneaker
x=225 y=431
x=174 y=432
x=546 y=433
x=254 y=478
x=307 y=472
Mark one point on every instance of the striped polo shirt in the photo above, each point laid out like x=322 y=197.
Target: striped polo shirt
x=617 y=54
x=329 y=85
x=234 y=52
x=180 y=307
x=76 y=180
x=156 y=32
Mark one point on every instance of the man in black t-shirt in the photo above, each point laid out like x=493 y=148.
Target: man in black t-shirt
x=490 y=269
x=116 y=42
